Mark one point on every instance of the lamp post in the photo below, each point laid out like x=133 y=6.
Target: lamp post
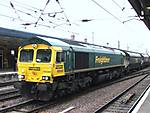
x=118 y=44
x=92 y=37
x=127 y=47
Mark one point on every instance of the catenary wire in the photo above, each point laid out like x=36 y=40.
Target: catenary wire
x=13 y=7
x=23 y=5
x=106 y=10
x=42 y=13
x=117 y=4
x=63 y=12
x=18 y=10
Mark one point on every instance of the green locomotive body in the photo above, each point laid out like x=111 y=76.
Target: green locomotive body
x=71 y=66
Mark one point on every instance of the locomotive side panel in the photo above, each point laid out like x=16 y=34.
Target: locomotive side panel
x=108 y=60
x=81 y=60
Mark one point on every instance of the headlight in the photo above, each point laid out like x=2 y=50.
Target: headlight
x=21 y=76
x=45 y=78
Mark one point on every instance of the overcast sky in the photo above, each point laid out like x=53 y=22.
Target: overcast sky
x=109 y=21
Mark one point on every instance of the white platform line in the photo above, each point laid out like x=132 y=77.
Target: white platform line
x=68 y=109
x=8 y=73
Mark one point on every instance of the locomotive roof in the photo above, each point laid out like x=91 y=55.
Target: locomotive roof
x=66 y=44
x=145 y=55
x=133 y=54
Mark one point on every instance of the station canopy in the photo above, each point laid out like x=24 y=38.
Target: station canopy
x=142 y=8
x=12 y=39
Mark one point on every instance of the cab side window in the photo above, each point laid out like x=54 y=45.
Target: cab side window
x=60 y=57
x=64 y=56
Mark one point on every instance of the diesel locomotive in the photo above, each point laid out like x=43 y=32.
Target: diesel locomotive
x=49 y=67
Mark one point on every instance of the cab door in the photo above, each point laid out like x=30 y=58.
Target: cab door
x=1 y=59
x=59 y=65
x=70 y=60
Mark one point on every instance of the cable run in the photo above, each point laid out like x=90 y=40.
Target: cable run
x=41 y=13
x=11 y=4
x=106 y=11
x=63 y=12
x=22 y=5
x=117 y=4
x=18 y=10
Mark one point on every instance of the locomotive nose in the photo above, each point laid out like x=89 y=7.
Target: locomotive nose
x=43 y=75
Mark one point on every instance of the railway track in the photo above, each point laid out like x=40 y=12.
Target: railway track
x=34 y=107
x=25 y=106
x=12 y=107
x=124 y=101
x=8 y=83
x=29 y=106
x=8 y=78
x=70 y=97
x=9 y=94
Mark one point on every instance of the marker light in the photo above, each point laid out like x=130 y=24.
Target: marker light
x=45 y=78
x=21 y=76
x=34 y=46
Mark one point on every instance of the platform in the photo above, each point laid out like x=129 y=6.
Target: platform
x=144 y=104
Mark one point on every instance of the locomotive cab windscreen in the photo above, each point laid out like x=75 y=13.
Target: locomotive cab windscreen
x=26 y=55
x=42 y=55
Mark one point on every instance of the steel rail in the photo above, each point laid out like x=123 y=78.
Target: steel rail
x=5 y=92
x=10 y=97
x=102 y=108
x=134 y=105
x=38 y=108
x=5 y=109
x=8 y=83
x=9 y=94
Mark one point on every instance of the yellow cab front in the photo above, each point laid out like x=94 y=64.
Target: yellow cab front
x=35 y=63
